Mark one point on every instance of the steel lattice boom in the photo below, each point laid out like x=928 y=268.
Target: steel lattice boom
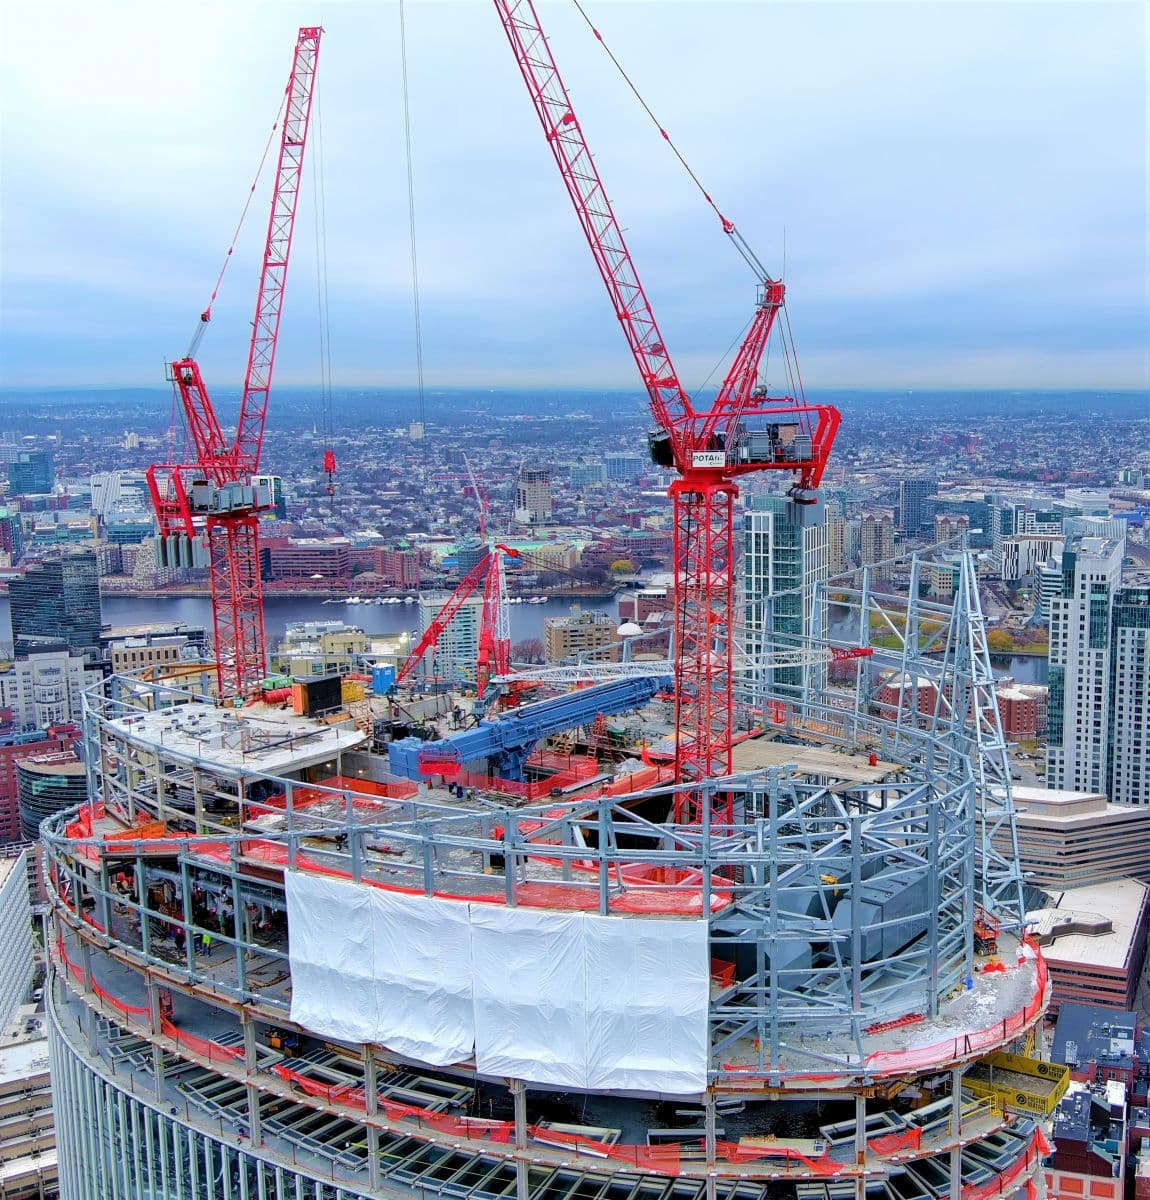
x=742 y=431
x=214 y=496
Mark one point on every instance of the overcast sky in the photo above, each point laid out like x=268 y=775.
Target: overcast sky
x=962 y=190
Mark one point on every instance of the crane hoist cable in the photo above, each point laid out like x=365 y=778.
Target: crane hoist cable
x=206 y=314
x=411 y=216
x=729 y=228
x=323 y=307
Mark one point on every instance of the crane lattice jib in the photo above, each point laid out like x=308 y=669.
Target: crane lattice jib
x=277 y=248
x=442 y=619
x=669 y=403
x=203 y=424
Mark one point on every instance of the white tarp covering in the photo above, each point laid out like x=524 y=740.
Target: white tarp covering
x=648 y=984
x=374 y=966
x=530 y=994
x=555 y=998
x=423 y=977
x=331 y=947
x=588 y=1001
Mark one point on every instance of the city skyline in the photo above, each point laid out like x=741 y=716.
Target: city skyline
x=937 y=233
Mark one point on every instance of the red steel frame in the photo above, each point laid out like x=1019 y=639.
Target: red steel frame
x=703 y=496
x=232 y=533
x=494 y=656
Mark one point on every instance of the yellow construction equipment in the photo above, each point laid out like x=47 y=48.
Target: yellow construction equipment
x=1019 y=1083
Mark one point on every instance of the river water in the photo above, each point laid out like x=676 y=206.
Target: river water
x=526 y=620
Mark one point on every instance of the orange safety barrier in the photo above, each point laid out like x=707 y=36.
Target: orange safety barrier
x=212 y=1051
x=734 y=1153
x=722 y=972
x=971 y=1043
x=887 y=1144
x=77 y=973
x=685 y=898
x=664 y=1160
x=144 y=831
x=640 y=780
x=883 y=1062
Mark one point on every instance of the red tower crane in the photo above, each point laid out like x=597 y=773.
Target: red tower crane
x=214 y=499
x=743 y=430
x=494 y=657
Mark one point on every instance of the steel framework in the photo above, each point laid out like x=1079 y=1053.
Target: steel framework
x=939 y=654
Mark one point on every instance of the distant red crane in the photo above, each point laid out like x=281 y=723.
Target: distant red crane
x=494 y=656
x=213 y=500
x=743 y=430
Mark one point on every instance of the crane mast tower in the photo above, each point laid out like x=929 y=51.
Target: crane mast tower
x=743 y=430
x=213 y=500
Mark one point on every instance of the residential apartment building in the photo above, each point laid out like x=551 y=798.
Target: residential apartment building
x=1099 y=676
x=455 y=653
x=593 y=633
x=876 y=543
x=786 y=554
x=914 y=516
x=533 y=496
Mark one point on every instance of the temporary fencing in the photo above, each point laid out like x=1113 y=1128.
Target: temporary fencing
x=78 y=974
x=659 y=1159
x=925 y=1058
x=212 y=1051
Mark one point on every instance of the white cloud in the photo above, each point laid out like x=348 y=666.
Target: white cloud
x=915 y=155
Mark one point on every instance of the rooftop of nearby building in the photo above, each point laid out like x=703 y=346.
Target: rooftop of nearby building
x=23 y=1048
x=260 y=740
x=1117 y=903
x=1085 y=1033
x=1051 y=808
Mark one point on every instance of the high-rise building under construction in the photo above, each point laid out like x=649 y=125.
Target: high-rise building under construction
x=280 y=971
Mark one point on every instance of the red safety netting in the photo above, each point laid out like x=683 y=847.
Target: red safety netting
x=205 y=1048
x=663 y=1160
x=970 y=1043
x=883 y=1062
x=887 y=1144
x=77 y=973
x=364 y=792
x=734 y=1153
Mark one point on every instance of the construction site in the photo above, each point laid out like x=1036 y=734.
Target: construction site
x=666 y=928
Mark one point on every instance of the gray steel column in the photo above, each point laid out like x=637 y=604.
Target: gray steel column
x=251 y=1065
x=956 y=1132
x=371 y=1107
x=519 y=1096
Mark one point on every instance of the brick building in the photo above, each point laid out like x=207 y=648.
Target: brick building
x=13 y=748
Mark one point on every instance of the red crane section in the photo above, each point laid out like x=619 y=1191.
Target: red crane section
x=669 y=403
x=214 y=496
x=494 y=656
x=743 y=430
x=277 y=250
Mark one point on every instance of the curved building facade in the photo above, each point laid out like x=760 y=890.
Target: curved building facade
x=279 y=972
x=47 y=784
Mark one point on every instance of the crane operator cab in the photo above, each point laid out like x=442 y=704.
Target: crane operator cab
x=773 y=442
